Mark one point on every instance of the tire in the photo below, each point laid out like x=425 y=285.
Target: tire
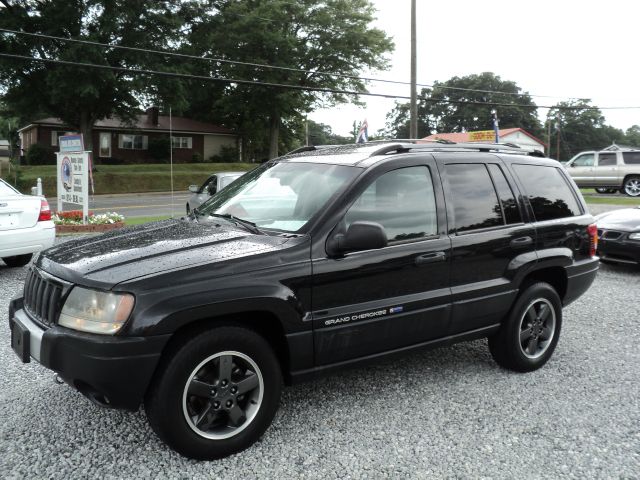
x=189 y=420
x=511 y=346
x=18 y=260
x=603 y=190
x=631 y=186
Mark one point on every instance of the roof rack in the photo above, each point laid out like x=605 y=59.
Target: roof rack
x=448 y=145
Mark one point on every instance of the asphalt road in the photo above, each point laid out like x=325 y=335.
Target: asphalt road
x=448 y=413
x=138 y=204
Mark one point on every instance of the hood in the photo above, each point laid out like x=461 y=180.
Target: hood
x=626 y=220
x=125 y=254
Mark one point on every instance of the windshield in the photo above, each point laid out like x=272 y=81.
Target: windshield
x=281 y=196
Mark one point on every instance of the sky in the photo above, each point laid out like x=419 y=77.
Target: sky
x=561 y=48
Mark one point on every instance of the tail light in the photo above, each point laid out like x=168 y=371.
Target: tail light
x=592 y=230
x=45 y=211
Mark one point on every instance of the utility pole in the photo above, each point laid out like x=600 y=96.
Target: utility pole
x=558 y=136
x=413 y=125
x=549 y=135
x=306 y=131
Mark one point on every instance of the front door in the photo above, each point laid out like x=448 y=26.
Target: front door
x=371 y=301
x=105 y=145
x=581 y=169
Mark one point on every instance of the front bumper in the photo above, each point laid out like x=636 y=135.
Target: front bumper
x=110 y=370
x=620 y=250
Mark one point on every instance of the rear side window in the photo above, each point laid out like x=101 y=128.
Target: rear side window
x=402 y=201
x=510 y=208
x=606 y=159
x=474 y=199
x=631 y=158
x=549 y=193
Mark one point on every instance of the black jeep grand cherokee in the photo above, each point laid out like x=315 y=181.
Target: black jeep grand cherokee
x=312 y=262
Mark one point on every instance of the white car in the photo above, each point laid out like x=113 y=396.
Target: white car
x=25 y=226
x=213 y=184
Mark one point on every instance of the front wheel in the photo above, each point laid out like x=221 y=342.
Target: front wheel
x=631 y=186
x=18 y=260
x=529 y=335
x=216 y=393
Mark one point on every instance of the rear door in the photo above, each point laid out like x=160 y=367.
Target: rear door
x=606 y=170
x=490 y=237
x=369 y=302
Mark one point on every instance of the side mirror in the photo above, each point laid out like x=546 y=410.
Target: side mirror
x=360 y=236
x=193 y=188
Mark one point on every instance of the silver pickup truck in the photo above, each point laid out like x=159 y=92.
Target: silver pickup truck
x=607 y=171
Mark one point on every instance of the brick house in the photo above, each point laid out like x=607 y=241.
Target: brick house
x=115 y=141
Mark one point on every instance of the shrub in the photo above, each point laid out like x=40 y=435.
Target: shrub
x=227 y=155
x=74 y=217
x=40 y=155
x=159 y=148
x=197 y=158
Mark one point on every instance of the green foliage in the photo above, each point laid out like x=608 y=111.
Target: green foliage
x=227 y=154
x=632 y=136
x=159 y=148
x=446 y=107
x=581 y=127
x=81 y=96
x=321 y=134
x=40 y=155
x=333 y=36
x=197 y=158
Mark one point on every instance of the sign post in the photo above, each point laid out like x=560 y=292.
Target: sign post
x=73 y=174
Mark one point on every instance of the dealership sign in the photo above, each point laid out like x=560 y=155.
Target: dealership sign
x=73 y=174
x=482 y=136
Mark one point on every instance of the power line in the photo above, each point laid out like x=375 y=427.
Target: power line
x=273 y=67
x=295 y=87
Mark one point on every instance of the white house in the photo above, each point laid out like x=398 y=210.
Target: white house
x=517 y=136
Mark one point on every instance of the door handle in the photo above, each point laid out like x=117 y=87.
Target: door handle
x=521 y=242
x=431 y=258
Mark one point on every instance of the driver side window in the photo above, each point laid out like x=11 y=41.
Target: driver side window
x=586 y=160
x=209 y=186
x=402 y=201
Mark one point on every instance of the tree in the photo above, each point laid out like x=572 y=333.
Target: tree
x=81 y=96
x=333 y=36
x=463 y=104
x=632 y=136
x=580 y=126
x=321 y=134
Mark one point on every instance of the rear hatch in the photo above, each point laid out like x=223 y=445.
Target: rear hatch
x=18 y=211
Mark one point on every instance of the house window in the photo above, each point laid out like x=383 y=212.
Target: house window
x=55 y=135
x=133 y=142
x=181 y=142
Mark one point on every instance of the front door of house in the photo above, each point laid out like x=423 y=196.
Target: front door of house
x=105 y=144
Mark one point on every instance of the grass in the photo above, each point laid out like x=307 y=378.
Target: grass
x=141 y=220
x=626 y=201
x=131 y=178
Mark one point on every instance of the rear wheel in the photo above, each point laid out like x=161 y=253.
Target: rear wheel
x=603 y=190
x=631 y=186
x=528 y=337
x=216 y=394
x=18 y=260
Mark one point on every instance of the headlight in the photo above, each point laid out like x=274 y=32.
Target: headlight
x=95 y=311
x=634 y=236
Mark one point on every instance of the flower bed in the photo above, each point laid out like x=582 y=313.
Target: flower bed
x=71 y=222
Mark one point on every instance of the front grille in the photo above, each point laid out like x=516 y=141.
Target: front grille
x=42 y=297
x=611 y=235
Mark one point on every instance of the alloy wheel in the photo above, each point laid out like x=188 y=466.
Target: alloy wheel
x=537 y=328
x=632 y=187
x=223 y=395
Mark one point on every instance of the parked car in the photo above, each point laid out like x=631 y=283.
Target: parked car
x=351 y=254
x=213 y=184
x=619 y=236
x=25 y=226
x=607 y=171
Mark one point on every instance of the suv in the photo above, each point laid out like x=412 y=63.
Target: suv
x=607 y=171
x=361 y=252
x=213 y=184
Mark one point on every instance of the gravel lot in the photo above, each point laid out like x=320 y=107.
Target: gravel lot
x=445 y=413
